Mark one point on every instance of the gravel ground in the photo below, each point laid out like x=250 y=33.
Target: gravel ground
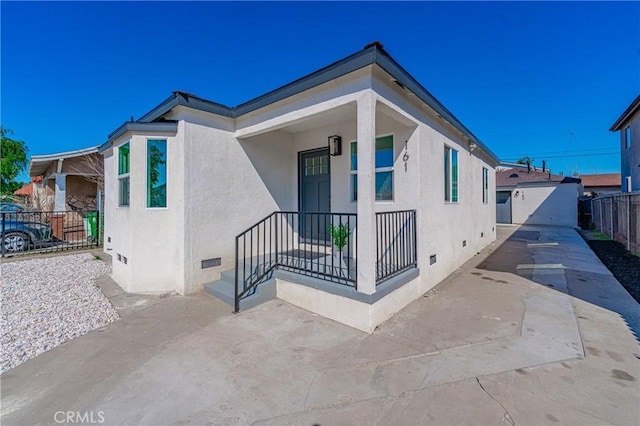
x=48 y=301
x=622 y=264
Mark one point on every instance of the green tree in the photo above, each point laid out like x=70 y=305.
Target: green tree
x=13 y=160
x=524 y=160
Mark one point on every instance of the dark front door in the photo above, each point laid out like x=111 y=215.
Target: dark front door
x=314 y=193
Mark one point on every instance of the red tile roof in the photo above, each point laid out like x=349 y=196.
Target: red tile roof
x=515 y=177
x=28 y=188
x=25 y=190
x=604 y=179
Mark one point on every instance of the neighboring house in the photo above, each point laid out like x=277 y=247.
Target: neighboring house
x=600 y=184
x=34 y=194
x=536 y=197
x=629 y=126
x=197 y=192
x=74 y=177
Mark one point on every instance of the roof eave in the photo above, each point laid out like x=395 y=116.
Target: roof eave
x=186 y=100
x=394 y=69
x=159 y=110
x=133 y=126
x=42 y=162
x=626 y=115
x=368 y=56
x=338 y=69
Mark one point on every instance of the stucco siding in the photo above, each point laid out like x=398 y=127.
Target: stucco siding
x=453 y=232
x=230 y=185
x=149 y=238
x=545 y=204
x=225 y=175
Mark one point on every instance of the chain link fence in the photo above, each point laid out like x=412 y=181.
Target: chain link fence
x=618 y=216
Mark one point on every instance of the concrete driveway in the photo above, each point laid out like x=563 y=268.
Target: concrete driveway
x=534 y=330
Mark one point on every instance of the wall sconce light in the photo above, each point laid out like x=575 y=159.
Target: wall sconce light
x=335 y=145
x=517 y=193
x=472 y=147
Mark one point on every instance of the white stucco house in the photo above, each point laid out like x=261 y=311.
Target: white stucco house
x=349 y=192
x=628 y=124
x=525 y=195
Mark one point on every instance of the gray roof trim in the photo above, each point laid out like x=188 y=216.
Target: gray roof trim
x=133 y=126
x=394 y=69
x=622 y=120
x=368 y=56
x=187 y=100
x=342 y=67
x=164 y=107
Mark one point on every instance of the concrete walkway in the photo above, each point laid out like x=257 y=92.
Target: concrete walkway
x=534 y=330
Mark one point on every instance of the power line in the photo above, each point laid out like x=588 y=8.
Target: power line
x=567 y=156
x=542 y=154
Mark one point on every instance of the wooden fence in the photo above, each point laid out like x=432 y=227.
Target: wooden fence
x=618 y=216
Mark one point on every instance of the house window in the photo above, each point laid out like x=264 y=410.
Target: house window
x=450 y=175
x=157 y=173
x=485 y=185
x=627 y=137
x=627 y=181
x=384 y=169
x=123 y=175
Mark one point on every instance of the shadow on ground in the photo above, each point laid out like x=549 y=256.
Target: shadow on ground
x=545 y=255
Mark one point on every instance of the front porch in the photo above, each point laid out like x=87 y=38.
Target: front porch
x=343 y=218
x=295 y=243
x=321 y=245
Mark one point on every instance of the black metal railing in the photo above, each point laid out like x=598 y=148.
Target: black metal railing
x=25 y=232
x=316 y=244
x=396 y=243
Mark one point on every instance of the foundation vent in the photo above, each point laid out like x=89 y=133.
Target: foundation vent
x=210 y=263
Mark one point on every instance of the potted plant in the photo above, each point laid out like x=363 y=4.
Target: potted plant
x=340 y=236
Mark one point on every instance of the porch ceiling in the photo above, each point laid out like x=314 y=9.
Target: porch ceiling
x=325 y=119
x=338 y=115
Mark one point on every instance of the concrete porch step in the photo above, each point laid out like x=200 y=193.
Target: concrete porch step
x=224 y=289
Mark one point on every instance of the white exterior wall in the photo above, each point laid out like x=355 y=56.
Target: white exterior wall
x=225 y=175
x=442 y=226
x=149 y=238
x=630 y=157
x=229 y=186
x=545 y=204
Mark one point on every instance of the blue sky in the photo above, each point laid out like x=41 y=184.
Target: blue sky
x=540 y=79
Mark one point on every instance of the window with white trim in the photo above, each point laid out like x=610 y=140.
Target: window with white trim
x=627 y=181
x=384 y=169
x=123 y=175
x=485 y=185
x=450 y=175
